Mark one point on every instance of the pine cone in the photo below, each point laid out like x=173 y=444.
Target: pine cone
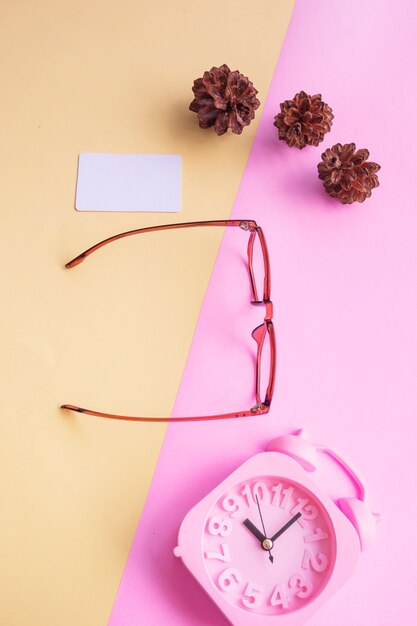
x=346 y=173
x=224 y=99
x=304 y=120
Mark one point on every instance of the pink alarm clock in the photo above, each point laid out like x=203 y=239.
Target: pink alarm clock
x=268 y=544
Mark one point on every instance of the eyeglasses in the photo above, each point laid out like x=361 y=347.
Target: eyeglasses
x=264 y=334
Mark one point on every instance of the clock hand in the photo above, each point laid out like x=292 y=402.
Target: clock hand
x=285 y=527
x=254 y=530
x=267 y=543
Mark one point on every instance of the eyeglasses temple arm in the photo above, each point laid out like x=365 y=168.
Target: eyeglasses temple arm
x=244 y=224
x=258 y=409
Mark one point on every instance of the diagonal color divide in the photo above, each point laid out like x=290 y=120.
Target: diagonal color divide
x=343 y=279
x=113 y=77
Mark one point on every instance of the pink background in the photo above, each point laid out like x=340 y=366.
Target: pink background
x=344 y=289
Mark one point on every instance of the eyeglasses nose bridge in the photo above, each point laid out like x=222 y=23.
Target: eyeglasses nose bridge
x=269 y=313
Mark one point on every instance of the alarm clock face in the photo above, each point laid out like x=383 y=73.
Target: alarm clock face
x=269 y=546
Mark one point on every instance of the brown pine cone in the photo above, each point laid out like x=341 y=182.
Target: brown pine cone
x=304 y=120
x=346 y=173
x=224 y=99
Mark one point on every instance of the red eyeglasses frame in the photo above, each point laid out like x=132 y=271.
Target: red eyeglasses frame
x=259 y=333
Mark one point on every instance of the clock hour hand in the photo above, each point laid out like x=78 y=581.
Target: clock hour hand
x=285 y=527
x=254 y=530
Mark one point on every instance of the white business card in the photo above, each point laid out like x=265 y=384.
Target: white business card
x=129 y=182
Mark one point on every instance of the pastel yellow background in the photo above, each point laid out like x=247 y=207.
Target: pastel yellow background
x=113 y=333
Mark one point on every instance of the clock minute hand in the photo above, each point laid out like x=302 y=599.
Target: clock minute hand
x=285 y=527
x=267 y=544
x=254 y=530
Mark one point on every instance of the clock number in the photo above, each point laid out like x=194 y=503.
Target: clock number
x=259 y=490
x=224 y=555
x=252 y=595
x=222 y=527
x=318 y=535
x=305 y=587
x=299 y=507
x=277 y=494
x=279 y=597
x=282 y=497
x=308 y=511
x=285 y=503
x=318 y=562
x=229 y=579
x=232 y=504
